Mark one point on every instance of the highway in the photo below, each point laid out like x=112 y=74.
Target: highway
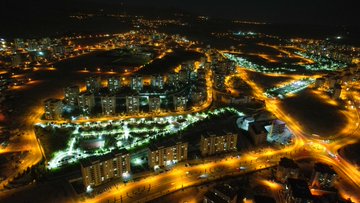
x=305 y=146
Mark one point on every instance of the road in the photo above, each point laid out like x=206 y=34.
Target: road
x=305 y=145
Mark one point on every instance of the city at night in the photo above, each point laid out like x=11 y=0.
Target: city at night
x=134 y=101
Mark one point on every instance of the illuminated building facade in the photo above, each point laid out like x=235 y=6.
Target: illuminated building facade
x=53 y=109
x=323 y=176
x=136 y=83
x=132 y=104
x=71 y=95
x=167 y=153
x=93 y=84
x=114 y=84
x=86 y=102
x=157 y=81
x=101 y=169
x=180 y=103
x=108 y=104
x=154 y=104
x=213 y=144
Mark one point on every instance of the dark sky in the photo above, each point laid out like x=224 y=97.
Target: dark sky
x=343 y=12
x=30 y=17
x=339 y=12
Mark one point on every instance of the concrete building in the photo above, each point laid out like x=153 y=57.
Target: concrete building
x=277 y=127
x=136 y=83
x=53 y=109
x=323 y=176
x=114 y=84
x=213 y=144
x=108 y=105
x=93 y=84
x=154 y=104
x=71 y=95
x=86 y=102
x=287 y=168
x=101 y=169
x=258 y=133
x=132 y=104
x=221 y=194
x=180 y=103
x=157 y=82
x=244 y=122
x=167 y=153
x=297 y=191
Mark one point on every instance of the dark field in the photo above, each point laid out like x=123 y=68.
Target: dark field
x=314 y=115
x=351 y=153
x=266 y=81
x=170 y=61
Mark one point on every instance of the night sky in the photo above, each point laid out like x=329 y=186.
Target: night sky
x=335 y=12
x=30 y=17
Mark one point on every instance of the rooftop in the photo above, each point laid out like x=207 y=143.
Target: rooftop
x=257 y=128
x=288 y=163
x=225 y=190
x=214 y=198
x=300 y=188
x=97 y=159
x=324 y=168
x=164 y=144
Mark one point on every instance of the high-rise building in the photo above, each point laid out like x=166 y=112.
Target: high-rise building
x=53 y=109
x=154 y=104
x=101 y=169
x=114 y=84
x=136 y=83
x=167 y=153
x=277 y=127
x=71 y=95
x=93 y=84
x=287 y=168
x=157 y=81
x=108 y=104
x=323 y=176
x=213 y=144
x=258 y=133
x=297 y=191
x=180 y=103
x=132 y=104
x=86 y=102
